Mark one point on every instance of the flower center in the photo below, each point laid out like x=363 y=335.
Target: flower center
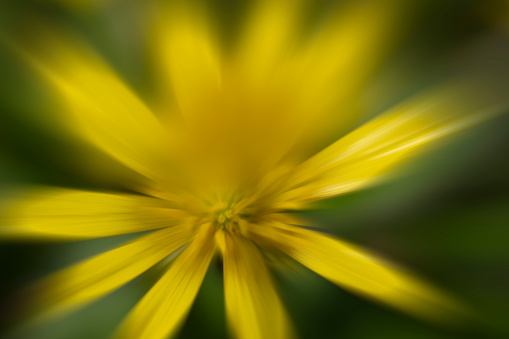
x=226 y=219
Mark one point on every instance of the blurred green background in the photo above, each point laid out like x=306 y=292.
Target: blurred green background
x=445 y=215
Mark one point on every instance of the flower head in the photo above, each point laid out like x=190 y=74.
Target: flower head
x=226 y=158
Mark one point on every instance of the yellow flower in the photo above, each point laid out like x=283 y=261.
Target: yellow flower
x=227 y=155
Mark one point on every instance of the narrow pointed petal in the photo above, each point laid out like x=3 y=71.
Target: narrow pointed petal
x=93 y=278
x=68 y=214
x=253 y=306
x=315 y=77
x=99 y=106
x=342 y=54
x=358 y=271
x=166 y=305
x=268 y=38
x=330 y=71
x=367 y=154
x=187 y=53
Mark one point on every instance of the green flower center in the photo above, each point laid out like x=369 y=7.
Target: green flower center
x=225 y=219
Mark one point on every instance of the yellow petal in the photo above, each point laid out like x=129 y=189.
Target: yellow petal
x=318 y=75
x=365 y=155
x=75 y=214
x=93 y=278
x=333 y=68
x=355 y=269
x=165 y=306
x=268 y=38
x=340 y=56
x=253 y=306
x=98 y=105
x=224 y=110
x=187 y=53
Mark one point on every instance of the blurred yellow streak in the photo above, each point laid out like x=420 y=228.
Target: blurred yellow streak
x=186 y=52
x=253 y=306
x=354 y=269
x=268 y=39
x=369 y=152
x=99 y=106
x=164 y=307
x=318 y=74
x=93 y=278
x=66 y=214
